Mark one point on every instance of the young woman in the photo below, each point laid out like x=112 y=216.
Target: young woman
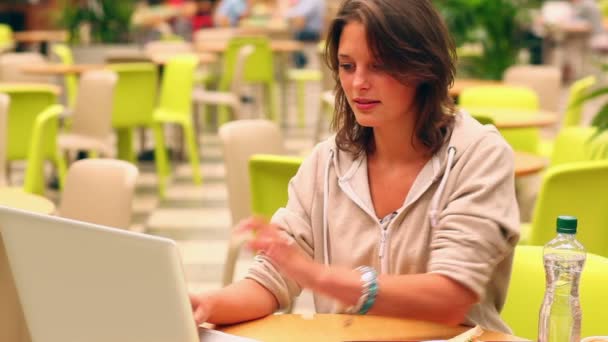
x=409 y=210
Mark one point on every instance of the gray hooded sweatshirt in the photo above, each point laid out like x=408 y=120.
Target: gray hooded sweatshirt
x=459 y=219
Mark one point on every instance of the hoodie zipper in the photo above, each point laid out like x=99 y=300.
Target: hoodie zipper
x=384 y=240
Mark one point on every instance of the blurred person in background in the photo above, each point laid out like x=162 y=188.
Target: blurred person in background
x=157 y=19
x=203 y=15
x=588 y=11
x=306 y=17
x=230 y=12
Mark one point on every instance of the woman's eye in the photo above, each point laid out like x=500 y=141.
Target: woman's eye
x=346 y=66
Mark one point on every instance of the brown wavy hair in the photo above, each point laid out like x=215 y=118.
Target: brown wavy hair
x=412 y=41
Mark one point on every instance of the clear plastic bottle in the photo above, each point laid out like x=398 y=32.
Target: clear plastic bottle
x=564 y=258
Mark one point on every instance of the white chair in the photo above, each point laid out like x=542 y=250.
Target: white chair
x=231 y=98
x=545 y=80
x=328 y=100
x=240 y=140
x=11 y=63
x=99 y=191
x=4 y=103
x=91 y=127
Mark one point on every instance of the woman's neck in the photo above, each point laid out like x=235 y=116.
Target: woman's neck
x=397 y=143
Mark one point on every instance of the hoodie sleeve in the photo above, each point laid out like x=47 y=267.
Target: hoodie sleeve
x=295 y=221
x=479 y=225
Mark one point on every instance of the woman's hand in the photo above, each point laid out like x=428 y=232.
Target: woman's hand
x=281 y=250
x=201 y=307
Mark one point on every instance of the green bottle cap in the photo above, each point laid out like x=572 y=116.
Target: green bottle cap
x=566 y=224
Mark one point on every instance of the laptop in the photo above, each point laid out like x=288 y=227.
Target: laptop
x=84 y=282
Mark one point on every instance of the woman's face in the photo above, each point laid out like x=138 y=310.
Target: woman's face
x=377 y=99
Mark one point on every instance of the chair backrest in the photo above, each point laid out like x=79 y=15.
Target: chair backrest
x=545 y=80
x=574 y=109
x=93 y=110
x=6 y=37
x=4 y=103
x=505 y=96
x=177 y=85
x=498 y=96
x=71 y=82
x=270 y=176
x=240 y=140
x=577 y=189
x=578 y=143
x=99 y=191
x=239 y=68
x=27 y=102
x=527 y=288
x=134 y=94
x=259 y=66
x=10 y=67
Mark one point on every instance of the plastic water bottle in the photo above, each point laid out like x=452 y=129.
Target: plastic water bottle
x=564 y=258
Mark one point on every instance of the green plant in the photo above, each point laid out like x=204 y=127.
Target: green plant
x=109 y=20
x=497 y=26
x=600 y=120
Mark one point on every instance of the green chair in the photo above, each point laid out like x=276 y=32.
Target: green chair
x=479 y=100
x=269 y=177
x=27 y=102
x=527 y=289
x=71 y=81
x=134 y=102
x=43 y=131
x=484 y=120
x=259 y=68
x=574 y=110
x=175 y=106
x=578 y=143
x=6 y=38
x=300 y=77
x=576 y=189
x=4 y=104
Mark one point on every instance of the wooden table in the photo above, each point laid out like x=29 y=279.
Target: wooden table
x=40 y=36
x=203 y=57
x=528 y=163
x=462 y=83
x=505 y=118
x=220 y=46
x=335 y=328
x=55 y=69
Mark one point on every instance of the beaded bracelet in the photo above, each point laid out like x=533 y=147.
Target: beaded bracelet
x=369 y=291
x=369 y=277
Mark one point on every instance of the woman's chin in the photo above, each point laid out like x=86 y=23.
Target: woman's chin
x=367 y=121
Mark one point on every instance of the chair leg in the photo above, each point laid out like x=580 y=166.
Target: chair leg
x=272 y=103
x=125 y=145
x=161 y=158
x=62 y=168
x=223 y=115
x=300 y=94
x=34 y=175
x=190 y=140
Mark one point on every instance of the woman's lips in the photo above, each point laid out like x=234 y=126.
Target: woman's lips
x=365 y=104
